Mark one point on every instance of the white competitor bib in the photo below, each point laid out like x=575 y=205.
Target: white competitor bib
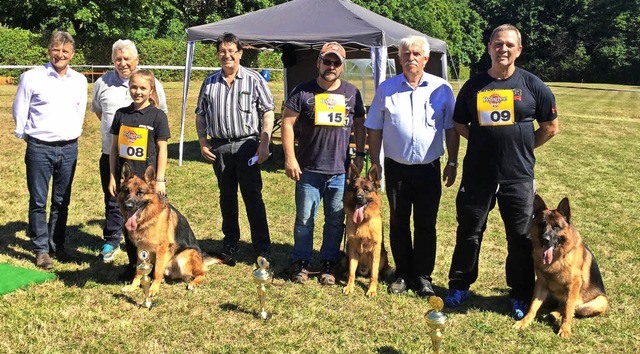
x=331 y=109
x=495 y=107
x=132 y=143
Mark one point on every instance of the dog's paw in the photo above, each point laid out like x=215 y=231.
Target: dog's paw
x=372 y=292
x=191 y=286
x=565 y=331
x=347 y=289
x=154 y=288
x=129 y=288
x=520 y=325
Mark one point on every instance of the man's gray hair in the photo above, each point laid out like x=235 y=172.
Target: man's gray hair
x=63 y=38
x=506 y=27
x=408 y=42
x=122 y=44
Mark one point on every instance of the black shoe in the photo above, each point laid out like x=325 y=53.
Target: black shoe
x=63 y=256
x=300 y=272
x=127 y=274
x=328 y=273
x=398 y=286
x=423 y=288
x=229 y=250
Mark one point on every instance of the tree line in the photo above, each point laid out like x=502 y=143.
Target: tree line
x=568 y=40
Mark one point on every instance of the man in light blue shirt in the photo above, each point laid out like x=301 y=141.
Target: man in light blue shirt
x=49 y=110
x=414 y=110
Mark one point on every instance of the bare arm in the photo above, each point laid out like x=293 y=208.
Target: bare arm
x=265 y=136
x=99 y=115
x=161 y=187
x=375 y=143
x=360 y=134
x=113 y=156
x=452 y=139
x=462 y=129
x=545 y=132
x=205 y=147
x=291 y=166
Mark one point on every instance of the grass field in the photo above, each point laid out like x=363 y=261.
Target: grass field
x=594 y=161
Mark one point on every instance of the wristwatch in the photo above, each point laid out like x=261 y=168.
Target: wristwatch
x=452 y=164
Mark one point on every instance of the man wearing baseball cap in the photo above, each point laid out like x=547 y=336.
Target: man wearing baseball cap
x=326 y=110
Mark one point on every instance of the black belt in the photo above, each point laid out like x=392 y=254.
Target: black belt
x=231 y=140
x=52 y=143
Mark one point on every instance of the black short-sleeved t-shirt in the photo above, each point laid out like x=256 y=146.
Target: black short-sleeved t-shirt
x=323 y=148
x=131 y=126
x=501 y=115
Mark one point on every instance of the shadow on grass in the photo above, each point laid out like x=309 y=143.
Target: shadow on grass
x=191 y=152
x=388 y=350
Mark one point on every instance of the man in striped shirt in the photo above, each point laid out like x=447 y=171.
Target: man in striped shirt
x=235 y=109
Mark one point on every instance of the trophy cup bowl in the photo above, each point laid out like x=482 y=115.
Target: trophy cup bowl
x=437 y=321
x=261 y=277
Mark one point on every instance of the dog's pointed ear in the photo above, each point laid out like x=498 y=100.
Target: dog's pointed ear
x=150 y=174
x=374 y=175
x=126 y=172
x=354 y=172
x=565 y=209
x=538 y=205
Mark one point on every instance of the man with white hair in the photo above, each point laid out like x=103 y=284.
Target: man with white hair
x=414 y=110
x=110 y=92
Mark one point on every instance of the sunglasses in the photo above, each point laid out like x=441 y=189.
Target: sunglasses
x=328 y=62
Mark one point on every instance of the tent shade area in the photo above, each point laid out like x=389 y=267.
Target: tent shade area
x=299 y=28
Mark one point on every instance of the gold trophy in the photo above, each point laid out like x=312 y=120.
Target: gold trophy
x=437 y=321
x=144 y=268
x=262 y=276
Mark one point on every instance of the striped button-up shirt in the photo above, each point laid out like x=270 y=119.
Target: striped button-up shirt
x=236 y=111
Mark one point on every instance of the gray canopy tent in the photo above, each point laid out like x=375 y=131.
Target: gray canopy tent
x=299 y=28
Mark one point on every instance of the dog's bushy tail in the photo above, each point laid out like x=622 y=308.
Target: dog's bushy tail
x=217 y=258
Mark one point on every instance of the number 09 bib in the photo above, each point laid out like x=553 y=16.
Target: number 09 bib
x=331 y=110
x=495 y=107
x=132 y=143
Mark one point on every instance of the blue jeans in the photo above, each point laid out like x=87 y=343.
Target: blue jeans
x=46 y=160
x=309 y=190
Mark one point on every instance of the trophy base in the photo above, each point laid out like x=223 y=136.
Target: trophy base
x=263 y=315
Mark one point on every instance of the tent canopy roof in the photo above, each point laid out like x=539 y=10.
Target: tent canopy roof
x=323 y=20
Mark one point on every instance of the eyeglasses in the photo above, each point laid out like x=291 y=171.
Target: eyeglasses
x=328 y=62
x=230 y=52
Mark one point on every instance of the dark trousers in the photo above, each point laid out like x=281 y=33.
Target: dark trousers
x=418 y=187
x=112 y=230
x=231 y=170
x=45 y=161
x=473 y=204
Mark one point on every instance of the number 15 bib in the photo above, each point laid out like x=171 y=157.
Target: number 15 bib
x=495 y=107
x=132 y=143
x=330 y=110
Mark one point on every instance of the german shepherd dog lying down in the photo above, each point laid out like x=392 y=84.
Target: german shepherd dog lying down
x=365 y=248
x=153 y=224
x=566 y=270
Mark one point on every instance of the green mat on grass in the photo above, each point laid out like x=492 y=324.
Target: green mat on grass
x=12 y=278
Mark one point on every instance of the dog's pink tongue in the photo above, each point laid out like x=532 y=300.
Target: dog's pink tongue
x=547 y=255
x=358 y=216
x=132 y=222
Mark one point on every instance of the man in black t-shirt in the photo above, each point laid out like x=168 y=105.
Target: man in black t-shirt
x=495 y=111
x=326 y=110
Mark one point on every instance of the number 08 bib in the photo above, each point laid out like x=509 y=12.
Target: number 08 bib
x=495 y=107
x=330 y=110
x=132 y=143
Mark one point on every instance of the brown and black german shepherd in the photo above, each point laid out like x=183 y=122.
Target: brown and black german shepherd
x=156 y=226
x=565 y=268
x=365 y=247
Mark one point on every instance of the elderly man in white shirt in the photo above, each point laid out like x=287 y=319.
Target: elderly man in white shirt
x=111 y=92
x=49 y=111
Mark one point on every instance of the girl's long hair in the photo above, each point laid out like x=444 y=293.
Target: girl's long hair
x=148 y=75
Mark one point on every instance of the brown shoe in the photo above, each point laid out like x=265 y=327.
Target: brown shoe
x=44 y=261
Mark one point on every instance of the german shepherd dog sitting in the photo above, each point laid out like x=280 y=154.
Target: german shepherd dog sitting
x=156 y=226
x=565 y=268
x=365 y=248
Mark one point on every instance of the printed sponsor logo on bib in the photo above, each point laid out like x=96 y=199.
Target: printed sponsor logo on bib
x=132 y=143
x=495 y=107
x=331 y=110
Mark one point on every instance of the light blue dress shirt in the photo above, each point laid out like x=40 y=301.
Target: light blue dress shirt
x=412 y=120
x=50 y=107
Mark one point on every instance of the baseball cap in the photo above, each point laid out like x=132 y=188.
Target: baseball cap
x=335 y=48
